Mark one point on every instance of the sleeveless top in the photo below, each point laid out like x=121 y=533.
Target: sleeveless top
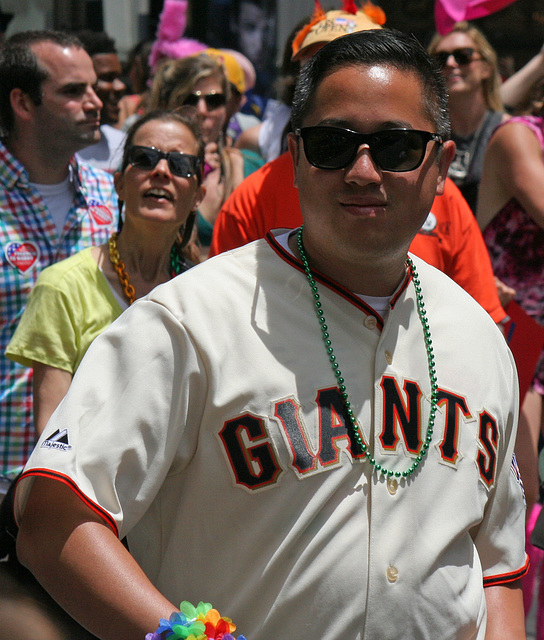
x=516 y=248
x=466 y=168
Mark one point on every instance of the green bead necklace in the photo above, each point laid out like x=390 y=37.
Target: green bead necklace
x=341 y=382
x=176 y=263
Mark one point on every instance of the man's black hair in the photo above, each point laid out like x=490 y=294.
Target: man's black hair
x=96 y=42
x=375 y=47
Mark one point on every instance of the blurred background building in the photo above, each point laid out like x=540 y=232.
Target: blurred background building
x=263 y=26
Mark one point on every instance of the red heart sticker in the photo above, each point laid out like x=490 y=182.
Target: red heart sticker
x=22 y=255
x=100 y=213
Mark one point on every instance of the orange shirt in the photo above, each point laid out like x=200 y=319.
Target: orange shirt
x=450 y=239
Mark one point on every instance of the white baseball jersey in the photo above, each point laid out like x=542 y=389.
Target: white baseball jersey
x=205 y=425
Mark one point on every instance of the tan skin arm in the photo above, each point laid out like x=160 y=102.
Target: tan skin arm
x=515 y=89
x=84 y=566
x=506 y=293
x=249 y=139
x=505 y=614
x=50 y=385
x=513 y=167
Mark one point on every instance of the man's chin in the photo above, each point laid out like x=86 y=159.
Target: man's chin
x=89 y=140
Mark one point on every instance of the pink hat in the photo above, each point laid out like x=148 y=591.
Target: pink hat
x=169 y=42
x=250 y=75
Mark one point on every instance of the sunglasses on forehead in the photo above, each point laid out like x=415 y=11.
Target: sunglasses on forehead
x=213 y=100
x=462 y=56
x=180 y=164
x=391 y=149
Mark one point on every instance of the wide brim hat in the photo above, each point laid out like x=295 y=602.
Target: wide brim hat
x=327 y=26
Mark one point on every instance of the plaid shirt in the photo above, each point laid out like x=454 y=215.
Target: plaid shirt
x=29 y=243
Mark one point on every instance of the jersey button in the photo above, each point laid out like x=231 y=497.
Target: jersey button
x=370 y=322
x=388 y=357
x=392 y=573
x=392 y=485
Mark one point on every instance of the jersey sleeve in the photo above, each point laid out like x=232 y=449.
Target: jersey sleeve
x=500 y=537
x=46 y=332
x=127 y=420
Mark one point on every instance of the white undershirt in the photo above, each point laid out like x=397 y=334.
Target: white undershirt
x=59 y=199
x=380 y=304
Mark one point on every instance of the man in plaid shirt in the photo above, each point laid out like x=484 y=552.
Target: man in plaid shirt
x=51 y=205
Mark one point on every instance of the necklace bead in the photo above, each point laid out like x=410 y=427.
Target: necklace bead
x=120 y=269
x=355 y=428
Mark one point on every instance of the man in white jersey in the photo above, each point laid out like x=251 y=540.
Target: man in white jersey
x=313 y=432
x=51 y=205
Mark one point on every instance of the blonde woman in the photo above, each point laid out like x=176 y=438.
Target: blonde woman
x=200 y=81
x=470 y=69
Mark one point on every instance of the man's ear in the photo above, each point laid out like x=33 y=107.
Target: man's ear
x=22 y=105
x=447 y=153
x=294 y=150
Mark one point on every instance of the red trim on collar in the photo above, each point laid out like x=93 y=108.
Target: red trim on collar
x=325 y=280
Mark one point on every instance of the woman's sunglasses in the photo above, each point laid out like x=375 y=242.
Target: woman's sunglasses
x=213 y=100
x=462 y=56
x=180 y=164
x=392 y=149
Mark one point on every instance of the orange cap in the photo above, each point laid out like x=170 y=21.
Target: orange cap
x=325 y=27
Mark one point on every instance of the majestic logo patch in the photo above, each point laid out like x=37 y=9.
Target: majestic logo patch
x=22 y=255
x=100 y=213
x=58 y=440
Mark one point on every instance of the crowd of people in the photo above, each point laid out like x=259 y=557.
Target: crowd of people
x=262 y=362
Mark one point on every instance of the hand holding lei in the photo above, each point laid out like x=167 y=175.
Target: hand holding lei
x=202 y=622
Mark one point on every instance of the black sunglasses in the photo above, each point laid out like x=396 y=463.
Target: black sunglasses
x=462 y=56
x=213 y=100
x=392 y=149
x=180 y=164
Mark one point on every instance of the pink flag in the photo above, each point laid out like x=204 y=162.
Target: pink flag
x=448 y=12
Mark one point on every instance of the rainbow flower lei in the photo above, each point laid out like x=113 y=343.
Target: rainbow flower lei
x=202 y=622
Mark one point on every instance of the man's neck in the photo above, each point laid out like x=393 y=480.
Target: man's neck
x=43 y=166
x=375 y=276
